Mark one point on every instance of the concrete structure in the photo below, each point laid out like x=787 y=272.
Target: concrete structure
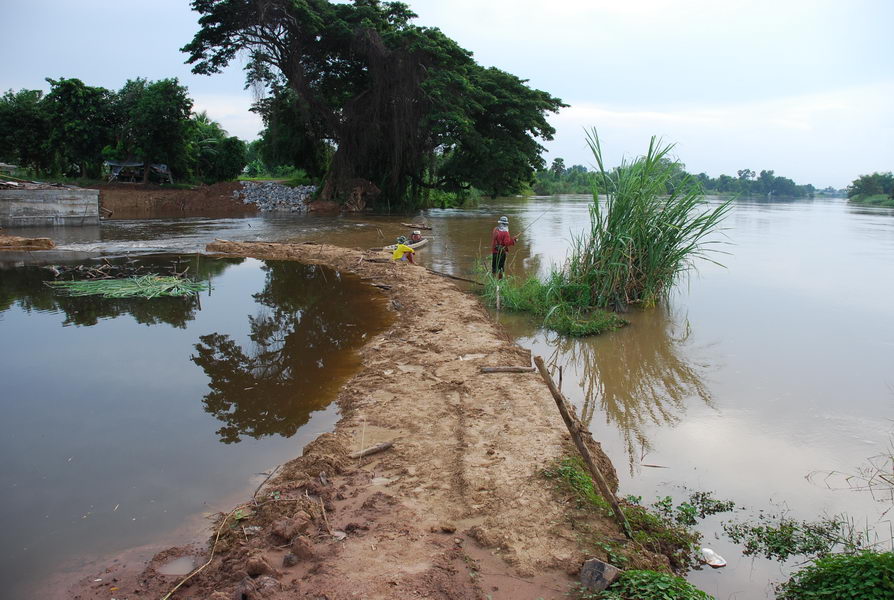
x=62 y=206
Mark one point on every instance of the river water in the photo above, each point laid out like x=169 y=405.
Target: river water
x=124 y=421
x=765 y=381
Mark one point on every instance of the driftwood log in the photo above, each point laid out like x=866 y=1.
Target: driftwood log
x=417 y=226
x=578 y=432
x=507 y=369
x=371 y=450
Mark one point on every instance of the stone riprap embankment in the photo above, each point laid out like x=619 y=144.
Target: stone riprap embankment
x=271 y=196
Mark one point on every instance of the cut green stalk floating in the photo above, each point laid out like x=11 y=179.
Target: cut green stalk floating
x=145 y=286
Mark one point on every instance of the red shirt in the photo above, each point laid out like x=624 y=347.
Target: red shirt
x=501 y=238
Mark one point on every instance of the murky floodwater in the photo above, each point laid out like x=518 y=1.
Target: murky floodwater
x=122 y=419
x=755 y=377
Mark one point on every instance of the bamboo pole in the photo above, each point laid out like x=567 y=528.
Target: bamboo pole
x=577 y=431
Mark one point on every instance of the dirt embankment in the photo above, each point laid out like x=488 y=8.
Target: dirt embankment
x=136 y=201
x=456 y=509
x=14 y=242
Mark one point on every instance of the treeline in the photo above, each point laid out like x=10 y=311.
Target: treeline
x=876 y=189
x=579 y=180
x=71 y=130
x=375 y=105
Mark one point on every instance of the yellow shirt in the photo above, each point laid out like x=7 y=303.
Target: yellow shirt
x=400 y=251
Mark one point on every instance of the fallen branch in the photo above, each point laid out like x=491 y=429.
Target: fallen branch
x=507 y=369
x=577 y=432
x=449 y=276
x=417 y=226
x=371 y=450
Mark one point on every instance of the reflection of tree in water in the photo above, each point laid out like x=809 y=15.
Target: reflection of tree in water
x=306 y=329
x=24 y=287
x=635 y=378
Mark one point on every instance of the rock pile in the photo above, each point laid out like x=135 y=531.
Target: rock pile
x=270 y=196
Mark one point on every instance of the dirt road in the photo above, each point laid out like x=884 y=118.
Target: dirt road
x=456 y=509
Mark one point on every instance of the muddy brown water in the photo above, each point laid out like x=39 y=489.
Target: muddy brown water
x=125 y=420
x=765 y=381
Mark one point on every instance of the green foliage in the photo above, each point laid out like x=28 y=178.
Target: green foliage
x=144 y=286
x=863 y=576
x=648 y=585
x=81 y=120
x=779 y=537
x=559 y=180
x=24 y=129
x=401 y=106
x=652 y=529
x=874 y=200
x=876 y=189
x=557 y=304
x=642 y=240
x=68 y=133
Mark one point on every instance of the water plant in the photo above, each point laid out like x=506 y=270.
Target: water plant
x=779 y=537
x=145 y=286
x=642 y=238
x=661 y=528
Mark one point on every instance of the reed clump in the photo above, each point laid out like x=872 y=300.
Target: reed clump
x=647 y=233
x=550 y=300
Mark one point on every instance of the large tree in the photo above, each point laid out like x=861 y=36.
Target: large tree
x=82 y=121
x=404 y=106
x=24 y=129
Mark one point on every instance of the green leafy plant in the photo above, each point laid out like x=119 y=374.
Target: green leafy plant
x=865 y=575
x=648 y=585
x=780 y=537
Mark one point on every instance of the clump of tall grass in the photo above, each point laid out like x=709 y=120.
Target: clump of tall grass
x=552 y=300
x=643 y=238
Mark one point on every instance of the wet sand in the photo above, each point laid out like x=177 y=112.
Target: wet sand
x=457 y=508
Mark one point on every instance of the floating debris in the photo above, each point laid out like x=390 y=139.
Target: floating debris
x=146 y=286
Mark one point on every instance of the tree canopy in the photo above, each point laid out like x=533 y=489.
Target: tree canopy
x=75 y=127
x=404 y=107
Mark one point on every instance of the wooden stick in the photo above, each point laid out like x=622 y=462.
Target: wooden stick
x=457 y=277
x=371 y=450
x=507 y=369
x=577 y=432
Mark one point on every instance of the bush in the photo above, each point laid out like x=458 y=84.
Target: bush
x=864 y=576
x=650 y=585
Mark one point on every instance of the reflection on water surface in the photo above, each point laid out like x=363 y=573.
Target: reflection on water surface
x=115 y=410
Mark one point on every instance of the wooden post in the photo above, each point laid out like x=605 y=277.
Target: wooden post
x=576 y=430
x=498 y=297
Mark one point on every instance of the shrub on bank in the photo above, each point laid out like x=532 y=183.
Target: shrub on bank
x=638 y=585
x=866 y=575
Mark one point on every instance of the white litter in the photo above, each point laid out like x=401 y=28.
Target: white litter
x=712 y=559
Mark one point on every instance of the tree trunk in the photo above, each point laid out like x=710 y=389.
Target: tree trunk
x=146 y=168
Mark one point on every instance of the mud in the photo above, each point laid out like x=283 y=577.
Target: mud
x=136 y=201
x=456 y=509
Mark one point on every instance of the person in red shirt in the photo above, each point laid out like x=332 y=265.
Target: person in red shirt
x=500 y=242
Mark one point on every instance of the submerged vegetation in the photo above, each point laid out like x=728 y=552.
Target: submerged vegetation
x=640 y=241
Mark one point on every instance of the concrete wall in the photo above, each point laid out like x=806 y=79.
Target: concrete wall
x=28 y=208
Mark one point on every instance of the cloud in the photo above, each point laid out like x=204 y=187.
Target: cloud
x=232 y=112
x=823 y=138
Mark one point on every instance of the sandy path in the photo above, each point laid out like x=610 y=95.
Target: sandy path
x=456 y=509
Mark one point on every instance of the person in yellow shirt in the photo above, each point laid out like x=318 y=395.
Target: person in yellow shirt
x=403 y=252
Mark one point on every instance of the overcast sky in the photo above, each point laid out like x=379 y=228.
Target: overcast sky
x=804 y=87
